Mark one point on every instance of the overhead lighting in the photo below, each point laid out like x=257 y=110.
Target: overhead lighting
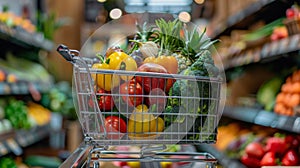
x=157 y=6
x=115 y=13
x=184 y=16
x=199 y=1
x=101 y=1
x=169 y=2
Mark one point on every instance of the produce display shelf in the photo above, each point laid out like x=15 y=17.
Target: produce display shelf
x=259 y=10
x=263 y=118
x=268 y=51
x=24 y=39
x=223 y=159
x=14 y=141
x=21 y=88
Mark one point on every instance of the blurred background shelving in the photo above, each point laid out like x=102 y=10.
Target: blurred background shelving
x=257 y=45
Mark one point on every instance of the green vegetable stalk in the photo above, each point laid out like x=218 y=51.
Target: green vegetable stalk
x=184 y=98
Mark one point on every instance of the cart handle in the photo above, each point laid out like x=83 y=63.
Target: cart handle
x=66 y=52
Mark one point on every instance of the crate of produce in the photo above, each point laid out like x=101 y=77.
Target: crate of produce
x=292 y=25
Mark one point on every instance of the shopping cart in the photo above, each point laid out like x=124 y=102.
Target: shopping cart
x=193 y=122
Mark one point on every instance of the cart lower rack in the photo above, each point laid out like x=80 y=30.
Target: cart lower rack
x=87 y=156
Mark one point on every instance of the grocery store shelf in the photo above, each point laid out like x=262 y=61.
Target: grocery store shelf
x=24 y=39
x=259 y=10
x=263 y=118
x=268 y=51
x=225 y=161
x=14 y=141
x=21 y=88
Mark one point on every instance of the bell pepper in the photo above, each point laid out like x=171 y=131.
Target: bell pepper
x=105 y=81
x=168 y=62
x=143 y=124
x=141 y=108
x=127 y=64
x=149 y=60
x=115 y=59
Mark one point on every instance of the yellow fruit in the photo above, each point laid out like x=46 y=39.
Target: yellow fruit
x=149 y=60
x=165 y=164
x=134 y=164
x=115 y=59
x=143 y=124
x=40 y=114
x=158 y=125
x=105 y=81
x=127 y=64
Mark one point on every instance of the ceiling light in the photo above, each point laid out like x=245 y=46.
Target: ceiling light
x=101 y=1
x=199 y=1
x=115 y=13
x=184 y=16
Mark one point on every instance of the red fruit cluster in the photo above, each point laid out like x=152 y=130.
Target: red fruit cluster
x=273 y=151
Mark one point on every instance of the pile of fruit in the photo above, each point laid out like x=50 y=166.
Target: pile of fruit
x=289 y=97
x=151 y=103
x=16 y=114
x=276 y=150
x=11 y=20
x=257 y=146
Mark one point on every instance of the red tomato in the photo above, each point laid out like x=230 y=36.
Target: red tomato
x=150 y=83
x=290 y=13
x=255 y=149
x=269 y=159
x=291 y=158
x=276 y=145
x=292 y=141
x=133 y=93
x=105 y=101
x=250 y=161
x=115 y=124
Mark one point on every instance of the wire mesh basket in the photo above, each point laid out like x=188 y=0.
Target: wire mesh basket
x=193 y=121
x=148 y=107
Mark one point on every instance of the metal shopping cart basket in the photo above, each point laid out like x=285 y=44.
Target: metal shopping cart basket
x=144 y=113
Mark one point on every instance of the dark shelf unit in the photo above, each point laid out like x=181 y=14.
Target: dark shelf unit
x=268 y=52
x=14 y=141
x=24 y=88
x=267 y=11
x=259 y=10
x=21 y=38
x=253 y=116
x=264 y=118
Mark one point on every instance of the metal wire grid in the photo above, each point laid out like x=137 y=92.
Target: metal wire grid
x=189 y=126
